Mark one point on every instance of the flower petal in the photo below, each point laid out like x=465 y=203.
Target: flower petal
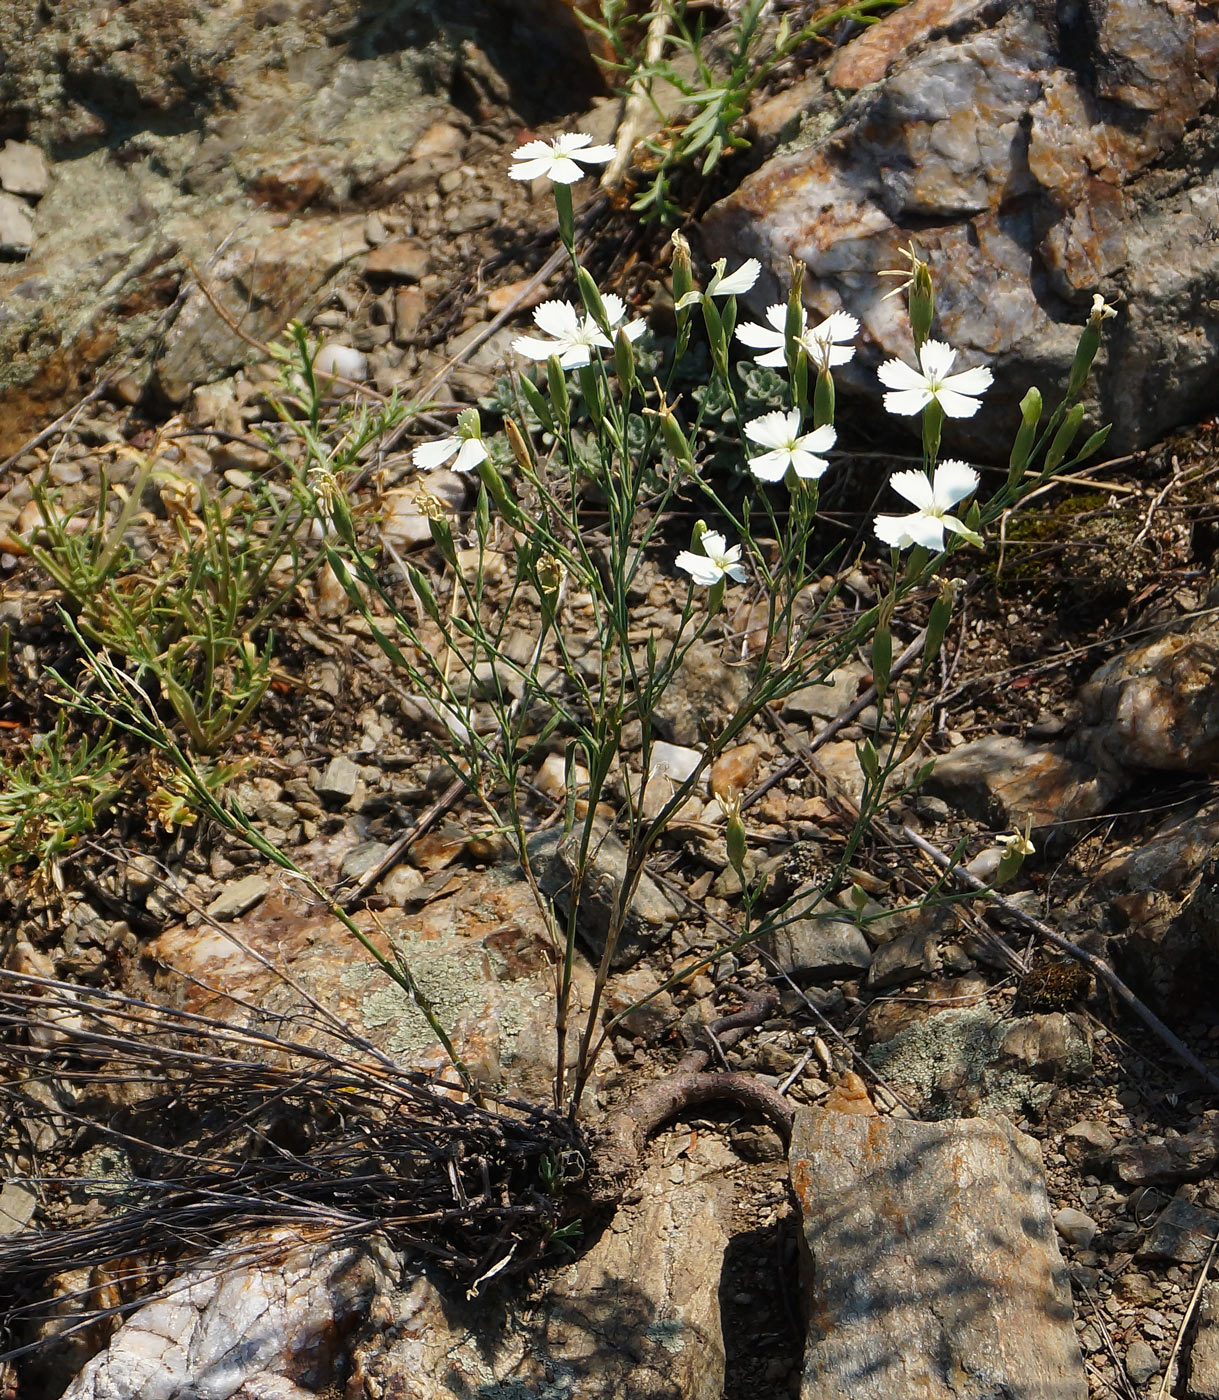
x=565 y=171
x=970 y=381
x=736 y=572
x=957 y=405
x=808 y=467
x=954 y=480
x=713 y=543
x=531 y=150
x=958 y=527
x=615 y=307
x=596 y=155
x=557 y=318
x=473 y=451
x=927 y=530
x=430 y=455
x=819 y=440
x=838 y=325
x=534 y=349
x=907 y=401
x=776 y=314
x=531 y=169
x=935 y=358
x=750 y=333
x=897 y=374
x=891 y=529
x=915 y=487
x=568 y=142
x=739 y=281
x=776 y=429
x=699 y=567
x=575 y=356
x=771 y=466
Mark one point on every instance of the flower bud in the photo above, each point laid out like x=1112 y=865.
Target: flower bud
x=921 y=302
x=1030 y=416
x=683 y=276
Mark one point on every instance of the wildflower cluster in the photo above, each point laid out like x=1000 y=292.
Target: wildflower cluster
x=598 y=453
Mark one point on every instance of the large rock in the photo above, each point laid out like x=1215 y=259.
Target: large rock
x=185 y=134
x=1035 y=154
x=273 y=1325
x=933 y=1269
x=480 y=955
x=636 y=1316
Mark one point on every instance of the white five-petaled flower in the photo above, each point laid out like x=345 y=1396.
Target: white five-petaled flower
x=466 y=442
x=716 y=562
x=557 y=159
x=824 y=344
x=574 y=337
x=724 y=283
x=932 y=499
x=789 y=447
x=913 y=389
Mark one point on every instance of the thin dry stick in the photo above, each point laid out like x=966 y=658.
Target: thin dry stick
x=1098 y=966
x=1189 y=1312
x=638 y=111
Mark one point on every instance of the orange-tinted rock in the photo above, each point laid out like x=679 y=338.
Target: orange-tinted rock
x=933 y=1265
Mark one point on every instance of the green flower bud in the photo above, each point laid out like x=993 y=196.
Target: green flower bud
x=1030 y=416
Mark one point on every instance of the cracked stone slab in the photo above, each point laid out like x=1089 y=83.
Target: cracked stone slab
x=635 y=1318
x=933 y=1268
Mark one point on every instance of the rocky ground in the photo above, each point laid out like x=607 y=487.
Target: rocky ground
x=1076 y=690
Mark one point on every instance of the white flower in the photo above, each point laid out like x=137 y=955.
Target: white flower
x=716 y=561
x=1101 y=310
x=953 y=481
x=724 y=283
x=557 y=159
x=957 y=394
x=466 y=442
x=1018 y=844
x=789 y=447
x=574 y=337
x=823 y=344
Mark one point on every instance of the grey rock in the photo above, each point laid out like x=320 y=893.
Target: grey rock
x=239 y=898
x=244 y=1328
x=974 y=124
x=1178 y=1157
x=826 y=944
x=648 y=921
x=339 y=780
x=1053 y=1045
x=1183 y=1234
x=970 y=1060
x=933 y=1267
x=905 y=958
x=361 y=859
x=24 y=170
x=1078 y=1229
x=1007 y=782
x=826 y=699
x=1203 y=1382
x=706 y=691
x=1088 y=1146
x=1141 y=1362
x=17 y=1204
x=1156 y=707
x=267 y=275
x=474 y=214
x=16 y=227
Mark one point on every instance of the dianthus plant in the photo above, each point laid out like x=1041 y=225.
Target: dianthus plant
x=526 y=643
